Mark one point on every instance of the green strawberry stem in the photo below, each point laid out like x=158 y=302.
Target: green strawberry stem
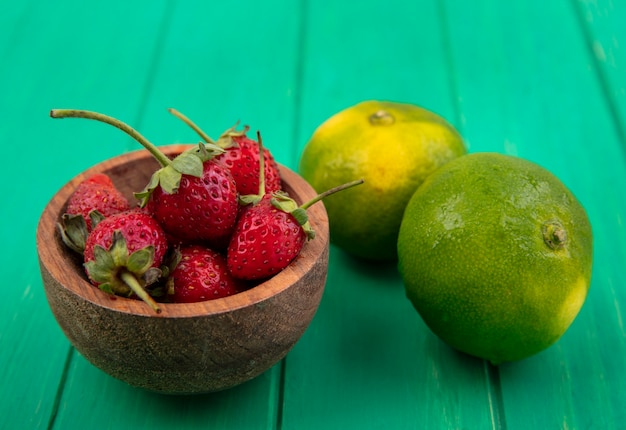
x=130 y=280
x=261 y=165
x=281 y=200
x=168 y=177
x=327 y=193
x=253 y=199
x=225 y=140
x=191 y=124
x=78 y=113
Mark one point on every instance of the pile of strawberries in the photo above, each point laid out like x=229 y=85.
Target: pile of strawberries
x=212 y=222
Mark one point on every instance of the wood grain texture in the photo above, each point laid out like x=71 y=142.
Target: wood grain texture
x=223 y=62
x=602 y=25
x=52 y=55
x=543 y=80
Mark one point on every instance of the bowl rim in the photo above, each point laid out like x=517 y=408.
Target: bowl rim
x=48 y=236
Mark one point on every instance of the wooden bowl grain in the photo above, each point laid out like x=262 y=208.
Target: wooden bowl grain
x=188 y=348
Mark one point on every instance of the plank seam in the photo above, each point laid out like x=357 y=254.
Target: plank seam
x=496 y=402
x=281 y=394
x=164 y=26
x=601 y=76
x=446 y=42
x=61 y=388
x=297 y=108
x=299 y=77
x=492 y=375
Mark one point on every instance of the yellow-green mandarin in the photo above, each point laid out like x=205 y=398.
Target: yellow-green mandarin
x=393 y=147
x=495 y=254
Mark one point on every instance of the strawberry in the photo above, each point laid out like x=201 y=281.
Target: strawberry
x=200 y=275
x=193 y=196
x=266 y=239
x=202 y=209
x=243 y=160
x=96 y=193
x=242 y=156
x=270 y=231
x=123 y=254
x=93 y=199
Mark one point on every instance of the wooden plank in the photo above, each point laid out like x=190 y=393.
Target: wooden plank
x=602 y=23
x=55 y=54
x=515 y=77
x=117 y=405
x=13 y=21
x=223 y=63
x=368 y=361
x=526 y=89
x=217 y=63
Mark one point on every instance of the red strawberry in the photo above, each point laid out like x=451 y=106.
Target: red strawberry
x=193 y=196
x=123 y=254
x=265 y=241
x=203 y=209
x=270 y=232
x=242 y=158
x=96 y=193
x=93 y=199
x=139 y=230
x=200 y=275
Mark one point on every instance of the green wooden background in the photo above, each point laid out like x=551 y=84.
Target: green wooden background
x=545 y=80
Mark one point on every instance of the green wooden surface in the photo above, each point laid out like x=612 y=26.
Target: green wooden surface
x=545 y=80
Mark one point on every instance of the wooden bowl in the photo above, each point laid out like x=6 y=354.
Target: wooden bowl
x=187 y=348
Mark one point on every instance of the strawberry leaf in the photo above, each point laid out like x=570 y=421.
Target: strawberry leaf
x=101 y=268
x=300 y=215
x=106 y=266
x=116 y=272
x=169 y=179
x=118 y=250
x=189 y=162
x=95 y=217
x=73 y=231
x=106 y=287
x=226 y=141
x=152 y=276
x=249 y=199
x=144 y=195
x=171 y=261
x=205 y=151
x=281 y=201
x=141 y=260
